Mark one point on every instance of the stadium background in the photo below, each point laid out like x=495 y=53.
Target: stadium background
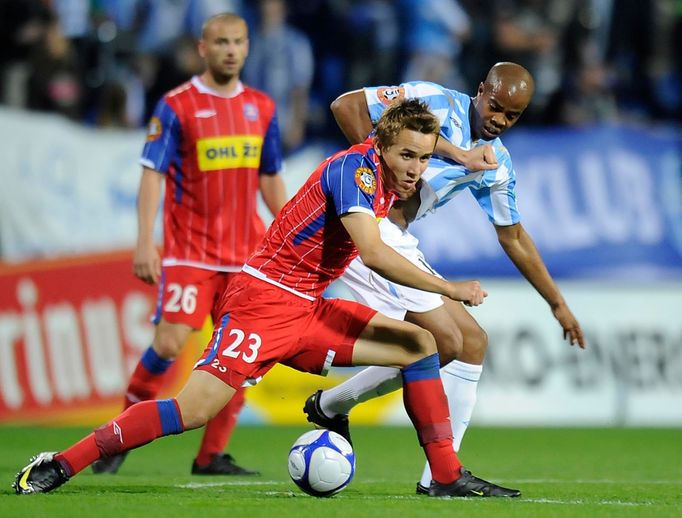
x=599 y=187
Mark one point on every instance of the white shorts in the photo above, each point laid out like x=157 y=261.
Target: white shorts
x=389 y=298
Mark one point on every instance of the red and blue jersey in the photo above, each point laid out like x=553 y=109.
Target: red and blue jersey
x=212 y=149
x=307 y=246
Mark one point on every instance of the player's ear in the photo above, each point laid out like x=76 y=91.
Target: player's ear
x=201 y=48
x=377 y=149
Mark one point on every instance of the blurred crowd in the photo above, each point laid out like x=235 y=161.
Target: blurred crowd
x=106 y=62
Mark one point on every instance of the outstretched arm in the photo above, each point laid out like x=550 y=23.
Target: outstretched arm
x=388 y=263
x=520 y=248
x=146 y=258
x=273 y=192
x=352 y=116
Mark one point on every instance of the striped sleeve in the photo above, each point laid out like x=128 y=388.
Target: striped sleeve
x=350 y=182
x=497 y=194
x=163 y=138
x=380 y=97
x=271 y=154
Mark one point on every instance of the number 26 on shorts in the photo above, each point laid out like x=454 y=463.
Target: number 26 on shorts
x=181 y=299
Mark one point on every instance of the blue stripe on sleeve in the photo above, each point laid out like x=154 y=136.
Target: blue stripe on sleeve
x=271 y=153
x=424 y=369
x=340 y=184
x=163 y=151
x=482 y=195
x=171 y=422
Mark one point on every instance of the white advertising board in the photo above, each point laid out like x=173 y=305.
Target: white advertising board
x=629 y=374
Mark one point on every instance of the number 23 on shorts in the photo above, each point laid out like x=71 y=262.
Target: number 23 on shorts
x=239 y=346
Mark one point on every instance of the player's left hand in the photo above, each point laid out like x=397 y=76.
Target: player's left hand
x=572 y=331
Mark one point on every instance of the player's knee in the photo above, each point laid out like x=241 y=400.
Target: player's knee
x=418 y=343
x=167 y=345
x=425 y=343
x=195 y=415
x=450 y=343
x=475 y=345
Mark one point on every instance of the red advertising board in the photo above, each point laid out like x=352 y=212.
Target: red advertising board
x=71 y=332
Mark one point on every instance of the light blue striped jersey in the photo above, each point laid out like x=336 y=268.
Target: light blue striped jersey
x=444 y=179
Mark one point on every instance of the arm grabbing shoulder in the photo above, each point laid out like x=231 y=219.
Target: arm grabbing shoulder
x=352 y=115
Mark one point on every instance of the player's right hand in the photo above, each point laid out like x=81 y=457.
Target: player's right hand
x=480 y=158
x=468 y=292
x=147 y=263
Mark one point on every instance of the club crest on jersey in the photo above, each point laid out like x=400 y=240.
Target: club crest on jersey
x=251 y=111
x=455 y=121
x=364 y=177
x=154 y=129
x=388 y=94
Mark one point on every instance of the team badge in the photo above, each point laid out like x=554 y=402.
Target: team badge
x=389 y=94
x=154 y=129
x=364 y=177
x=251 y=111
x=455 y=121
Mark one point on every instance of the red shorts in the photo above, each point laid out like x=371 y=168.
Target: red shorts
x=186 y=295
x=261 y=325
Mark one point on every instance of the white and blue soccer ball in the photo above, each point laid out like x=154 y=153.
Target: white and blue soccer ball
x=321 y=462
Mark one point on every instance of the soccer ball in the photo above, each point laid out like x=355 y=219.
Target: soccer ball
x=321 y=462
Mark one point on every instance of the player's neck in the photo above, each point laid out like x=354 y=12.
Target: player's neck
x=472 y=120
x=223 y=87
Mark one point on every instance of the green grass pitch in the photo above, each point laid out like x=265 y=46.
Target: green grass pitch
x=562 y=472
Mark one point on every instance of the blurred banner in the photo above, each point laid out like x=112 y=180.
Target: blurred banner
x=71 y=332
x=69 y=189
x=629 y=374
x=601 y=203
x=66 y=188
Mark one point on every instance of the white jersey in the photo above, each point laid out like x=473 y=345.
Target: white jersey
x=444 y=179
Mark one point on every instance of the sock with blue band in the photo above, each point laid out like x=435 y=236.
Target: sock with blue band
x=147 y=378
x=427 y=407
x=138 y=425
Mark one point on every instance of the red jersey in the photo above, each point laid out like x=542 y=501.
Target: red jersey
x=307 y=246
x=212 y=149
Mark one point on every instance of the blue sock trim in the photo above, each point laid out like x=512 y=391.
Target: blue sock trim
x=424 y=369
x=171 y=422
x=153 y=362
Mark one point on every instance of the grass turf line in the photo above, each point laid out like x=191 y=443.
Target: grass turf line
x=562 y=472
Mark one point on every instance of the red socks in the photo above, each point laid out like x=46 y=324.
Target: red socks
x=145 y=385
x=147 y=378
x=427 y=407
x=138 y=425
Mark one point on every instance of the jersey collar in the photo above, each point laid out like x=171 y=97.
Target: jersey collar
x=199 y=85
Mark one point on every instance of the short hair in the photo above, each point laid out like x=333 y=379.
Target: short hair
x=412 y=114
x=221 y=17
